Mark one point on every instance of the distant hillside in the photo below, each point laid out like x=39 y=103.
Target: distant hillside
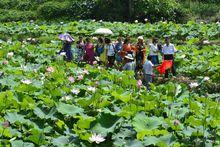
x=111 y=10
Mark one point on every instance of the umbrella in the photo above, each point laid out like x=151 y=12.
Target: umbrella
x=66 y=37
x=104 y=31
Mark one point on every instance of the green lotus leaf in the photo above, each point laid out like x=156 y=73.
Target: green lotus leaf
x=68 y=109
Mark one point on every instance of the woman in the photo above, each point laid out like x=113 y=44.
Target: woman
x=140 y=52
x=99 y=47
x=66 y=46
x=80 y=49
x=110 y=48
x=89 y=49
x=154 y=49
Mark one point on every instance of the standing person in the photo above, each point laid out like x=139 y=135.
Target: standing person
x=129 y=60
x=154 y=49
x=80 y=49
x=110 y=48
x=168 y=52
x=99 y=48
x=127 y=47
x=140 y=52
x=89 y=49
x=148 y=72
x=118 y=49
x=66 y=48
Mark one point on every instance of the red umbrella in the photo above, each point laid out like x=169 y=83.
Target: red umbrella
x=166 y=64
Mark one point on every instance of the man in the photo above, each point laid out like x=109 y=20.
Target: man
x=168 y=52
x=130 y=65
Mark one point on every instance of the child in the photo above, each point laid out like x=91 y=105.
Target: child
x=130 y=65
x=148 y=72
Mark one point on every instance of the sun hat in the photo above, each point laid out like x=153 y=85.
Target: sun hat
x=141 y=37
x=129 y=56
x=66 y=37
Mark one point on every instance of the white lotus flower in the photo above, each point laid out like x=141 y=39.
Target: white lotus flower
x=26 y=81
x=206 y=78
x=91 y=89
x=206 y=42
x=136 y=21
x=100 y=21
x=61 y=22
x=96 y=138
x=75 y=91
x=145 y=19
x=193 y=85
x=183 y=56
x=66 y=98
x=10 y=54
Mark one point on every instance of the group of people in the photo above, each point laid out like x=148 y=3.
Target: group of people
x=123 y=55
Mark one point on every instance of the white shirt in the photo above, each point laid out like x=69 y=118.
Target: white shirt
x=170 y=49
x=110 y=50
x=148 y=67
x=153 y=49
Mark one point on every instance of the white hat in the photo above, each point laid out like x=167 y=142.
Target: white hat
x=129 y=56
x=141 y=37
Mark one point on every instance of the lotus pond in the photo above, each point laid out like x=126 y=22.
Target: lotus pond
x=45 y=101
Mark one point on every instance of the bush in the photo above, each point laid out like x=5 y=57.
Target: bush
x=52 y=10
x=15 y=15
x=156 y=10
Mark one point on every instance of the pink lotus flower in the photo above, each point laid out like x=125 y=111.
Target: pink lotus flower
x=80 y=77
x=71 y=79
x=139 y=83
x=50 y=69
x=176 y=122
x=96 y=138
x=10 y=55
x=5 y=62
x=5 y=124
x=85 y=71
x=94 y=62
x=97 y=83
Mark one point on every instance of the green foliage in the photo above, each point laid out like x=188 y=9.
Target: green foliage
x=111 y=10
x=51 y=10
